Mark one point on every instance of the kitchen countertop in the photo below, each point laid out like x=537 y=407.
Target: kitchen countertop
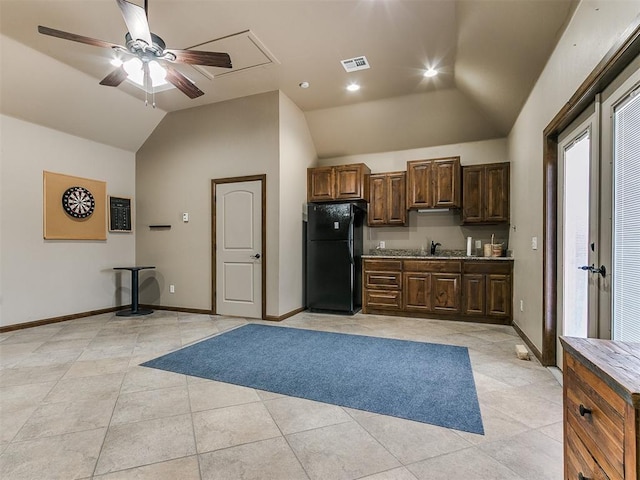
x=440 y=255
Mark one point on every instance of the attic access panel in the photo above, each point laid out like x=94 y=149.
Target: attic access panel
x=244 y=48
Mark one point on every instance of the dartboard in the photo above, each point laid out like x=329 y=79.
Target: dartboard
x=78 y=202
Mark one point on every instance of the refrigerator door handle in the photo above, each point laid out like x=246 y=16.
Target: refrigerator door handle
x=350 y=247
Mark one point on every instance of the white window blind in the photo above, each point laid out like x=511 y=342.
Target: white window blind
x=626 y=223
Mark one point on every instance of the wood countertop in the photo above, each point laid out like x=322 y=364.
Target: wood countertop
x=617 y=363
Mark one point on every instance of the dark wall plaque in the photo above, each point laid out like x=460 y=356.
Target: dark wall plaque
x=119 y=214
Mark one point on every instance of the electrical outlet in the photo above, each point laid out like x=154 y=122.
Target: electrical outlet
x=185 y=217
x=478 y=243
x=172 y=289
x=522 y=305
x=382 y=244
x=534 y=243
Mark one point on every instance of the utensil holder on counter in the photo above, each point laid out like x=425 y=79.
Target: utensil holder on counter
x=492 y=249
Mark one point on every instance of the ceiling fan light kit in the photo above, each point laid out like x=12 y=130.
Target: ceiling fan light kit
x=151 y=63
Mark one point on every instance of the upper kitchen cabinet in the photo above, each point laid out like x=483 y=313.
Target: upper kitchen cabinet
x=485 y=193
x=388 y=205
x=342 y=182
x=433 y=183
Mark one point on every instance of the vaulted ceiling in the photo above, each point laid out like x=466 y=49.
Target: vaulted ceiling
x=489 y=54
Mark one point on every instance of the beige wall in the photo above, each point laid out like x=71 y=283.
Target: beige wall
x=441 y=227
x=49 y=278
x=594 y=29
x=174 y=170
x=297 y=152
x=261 y=134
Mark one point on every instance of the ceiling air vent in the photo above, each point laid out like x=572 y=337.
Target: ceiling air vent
x=354 y=64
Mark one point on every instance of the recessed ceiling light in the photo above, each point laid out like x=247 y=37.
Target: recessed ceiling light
x=353 y=87
x=304 y=84
x=430 y=72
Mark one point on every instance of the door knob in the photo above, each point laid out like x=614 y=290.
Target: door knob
x=256 y=256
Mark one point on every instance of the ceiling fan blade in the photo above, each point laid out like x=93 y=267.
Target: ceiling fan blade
x=182 y=83
x=77 y=38
x=115 y=78
x=195 y=57
x=136 y=20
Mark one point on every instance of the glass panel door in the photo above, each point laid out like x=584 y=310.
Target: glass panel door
x=575 y=241
x=577 y=231
x=626 y=219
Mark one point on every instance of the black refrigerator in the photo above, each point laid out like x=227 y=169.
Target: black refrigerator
x=334 y=257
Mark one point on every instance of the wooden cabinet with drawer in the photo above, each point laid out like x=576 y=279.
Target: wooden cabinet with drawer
x=382 y=284
x=601 y=409
x=428 y=287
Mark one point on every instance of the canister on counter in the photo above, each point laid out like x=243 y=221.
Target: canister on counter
x=487 y=250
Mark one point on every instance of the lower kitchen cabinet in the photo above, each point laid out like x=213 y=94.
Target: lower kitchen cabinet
x=487 y=288
x=417 y=292
x=382 y=287
x=478 y=290
x=446 y=292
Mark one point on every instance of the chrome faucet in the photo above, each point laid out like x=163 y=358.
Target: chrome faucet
x=434 y=246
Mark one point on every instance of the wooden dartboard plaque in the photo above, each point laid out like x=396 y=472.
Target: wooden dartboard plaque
x=74 y=208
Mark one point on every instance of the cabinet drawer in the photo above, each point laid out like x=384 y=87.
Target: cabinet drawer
x=488 y=266
x=601 y=430
x=578 y=460
x=382 y=265
x=433 y=266
x=390 y=299
x=383 y=279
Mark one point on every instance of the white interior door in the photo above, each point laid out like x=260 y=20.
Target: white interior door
x=239 y=249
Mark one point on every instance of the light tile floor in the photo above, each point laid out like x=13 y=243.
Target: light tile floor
x=75 y=404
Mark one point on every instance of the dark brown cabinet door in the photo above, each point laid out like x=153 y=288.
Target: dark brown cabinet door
x=388 y=205
x=396 y=198
x=497 y=193
x=498 y=295
x=473 y=294
x=446 y=183
x=417 y=291
x=419 y=184
x=446 y=290
x=485 y=193
x=320 y=184
x=472 y=194
x=349 y=182
x=377 y=214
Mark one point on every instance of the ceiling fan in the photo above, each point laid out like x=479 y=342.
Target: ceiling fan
x=147 y=47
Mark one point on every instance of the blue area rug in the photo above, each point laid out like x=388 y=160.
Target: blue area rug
x=425 y=382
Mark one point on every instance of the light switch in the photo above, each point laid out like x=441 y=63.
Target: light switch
x=185 y=217
x=534 y=243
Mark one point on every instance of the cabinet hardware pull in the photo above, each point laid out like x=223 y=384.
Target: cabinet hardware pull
x=584 y=411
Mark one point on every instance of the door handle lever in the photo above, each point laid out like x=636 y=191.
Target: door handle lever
x=593 y=269
x=256 y=256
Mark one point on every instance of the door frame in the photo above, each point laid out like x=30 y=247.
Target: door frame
x=611 y=65
x=263 y=264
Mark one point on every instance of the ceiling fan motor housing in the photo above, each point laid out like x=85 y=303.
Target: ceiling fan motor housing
x=141 y=49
